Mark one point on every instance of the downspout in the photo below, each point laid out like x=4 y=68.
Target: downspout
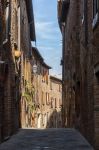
x=86 y=22
x=63 y=84
x=19 y=29
x=7 y=22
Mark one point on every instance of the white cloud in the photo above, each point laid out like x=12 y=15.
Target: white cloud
x=48 y=34
x=46 y=30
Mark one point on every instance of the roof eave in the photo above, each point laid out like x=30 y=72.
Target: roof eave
x=30 y=14
x=47 y=66
x=38 y=53
x=63 y=7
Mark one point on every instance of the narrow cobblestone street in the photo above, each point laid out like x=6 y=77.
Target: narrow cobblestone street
x=48 y=139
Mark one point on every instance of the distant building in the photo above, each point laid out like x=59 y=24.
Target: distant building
x=40 y=84
x=55 y=102
x=47 y=102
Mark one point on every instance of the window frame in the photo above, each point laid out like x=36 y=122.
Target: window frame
x=95 y=13
x=95 y=7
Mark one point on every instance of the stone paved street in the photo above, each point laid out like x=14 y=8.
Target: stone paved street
x=48 y=139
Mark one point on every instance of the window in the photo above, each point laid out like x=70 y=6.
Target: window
x=47 y=98
x=2 y=19
x=51 y=102
x=60 y=103
x=95 y=12
x=59 y=87
x=50 y=85
x=47 y=77
x=95 y=7
x=43 y=75
x=42 y=98
x=83 y=15
x=55 y=103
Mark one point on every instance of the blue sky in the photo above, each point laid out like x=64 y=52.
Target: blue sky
x=48 y=34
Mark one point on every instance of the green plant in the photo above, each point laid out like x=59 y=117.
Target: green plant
x=28 y=94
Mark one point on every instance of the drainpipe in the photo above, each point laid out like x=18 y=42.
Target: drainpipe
x=63 y=58
x=7 y=22
x=86 y=22
x=19 y=29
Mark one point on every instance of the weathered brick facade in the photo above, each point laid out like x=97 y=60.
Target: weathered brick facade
x=27 y=34
x=47 y=96
x=80 y=66
x=55 y=118
x=8 y=103
x=16 y=33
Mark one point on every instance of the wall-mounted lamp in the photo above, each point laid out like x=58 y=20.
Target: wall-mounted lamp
x=34 y=68
x=17 y=52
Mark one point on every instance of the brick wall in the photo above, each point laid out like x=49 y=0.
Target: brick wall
x=81 y=59
x=26 y=62
x=71 y=62
x=8 y=111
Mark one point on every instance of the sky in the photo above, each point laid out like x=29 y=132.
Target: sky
x=48 y=35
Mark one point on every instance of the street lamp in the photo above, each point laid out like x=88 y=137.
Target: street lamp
x=34 y=68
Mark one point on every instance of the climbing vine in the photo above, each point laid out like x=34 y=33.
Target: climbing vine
x=28 y=94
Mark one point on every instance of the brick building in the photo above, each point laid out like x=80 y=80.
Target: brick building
x=49 y=96
x=27 y=30
x=46 y=103
x=78 y=22
x=9 y=116
x=55 y=119
x=69 y=29
x=16 y=24
x=40 y=83
x=51 y=101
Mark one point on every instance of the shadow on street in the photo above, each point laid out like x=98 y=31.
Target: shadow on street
x=50 y=139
